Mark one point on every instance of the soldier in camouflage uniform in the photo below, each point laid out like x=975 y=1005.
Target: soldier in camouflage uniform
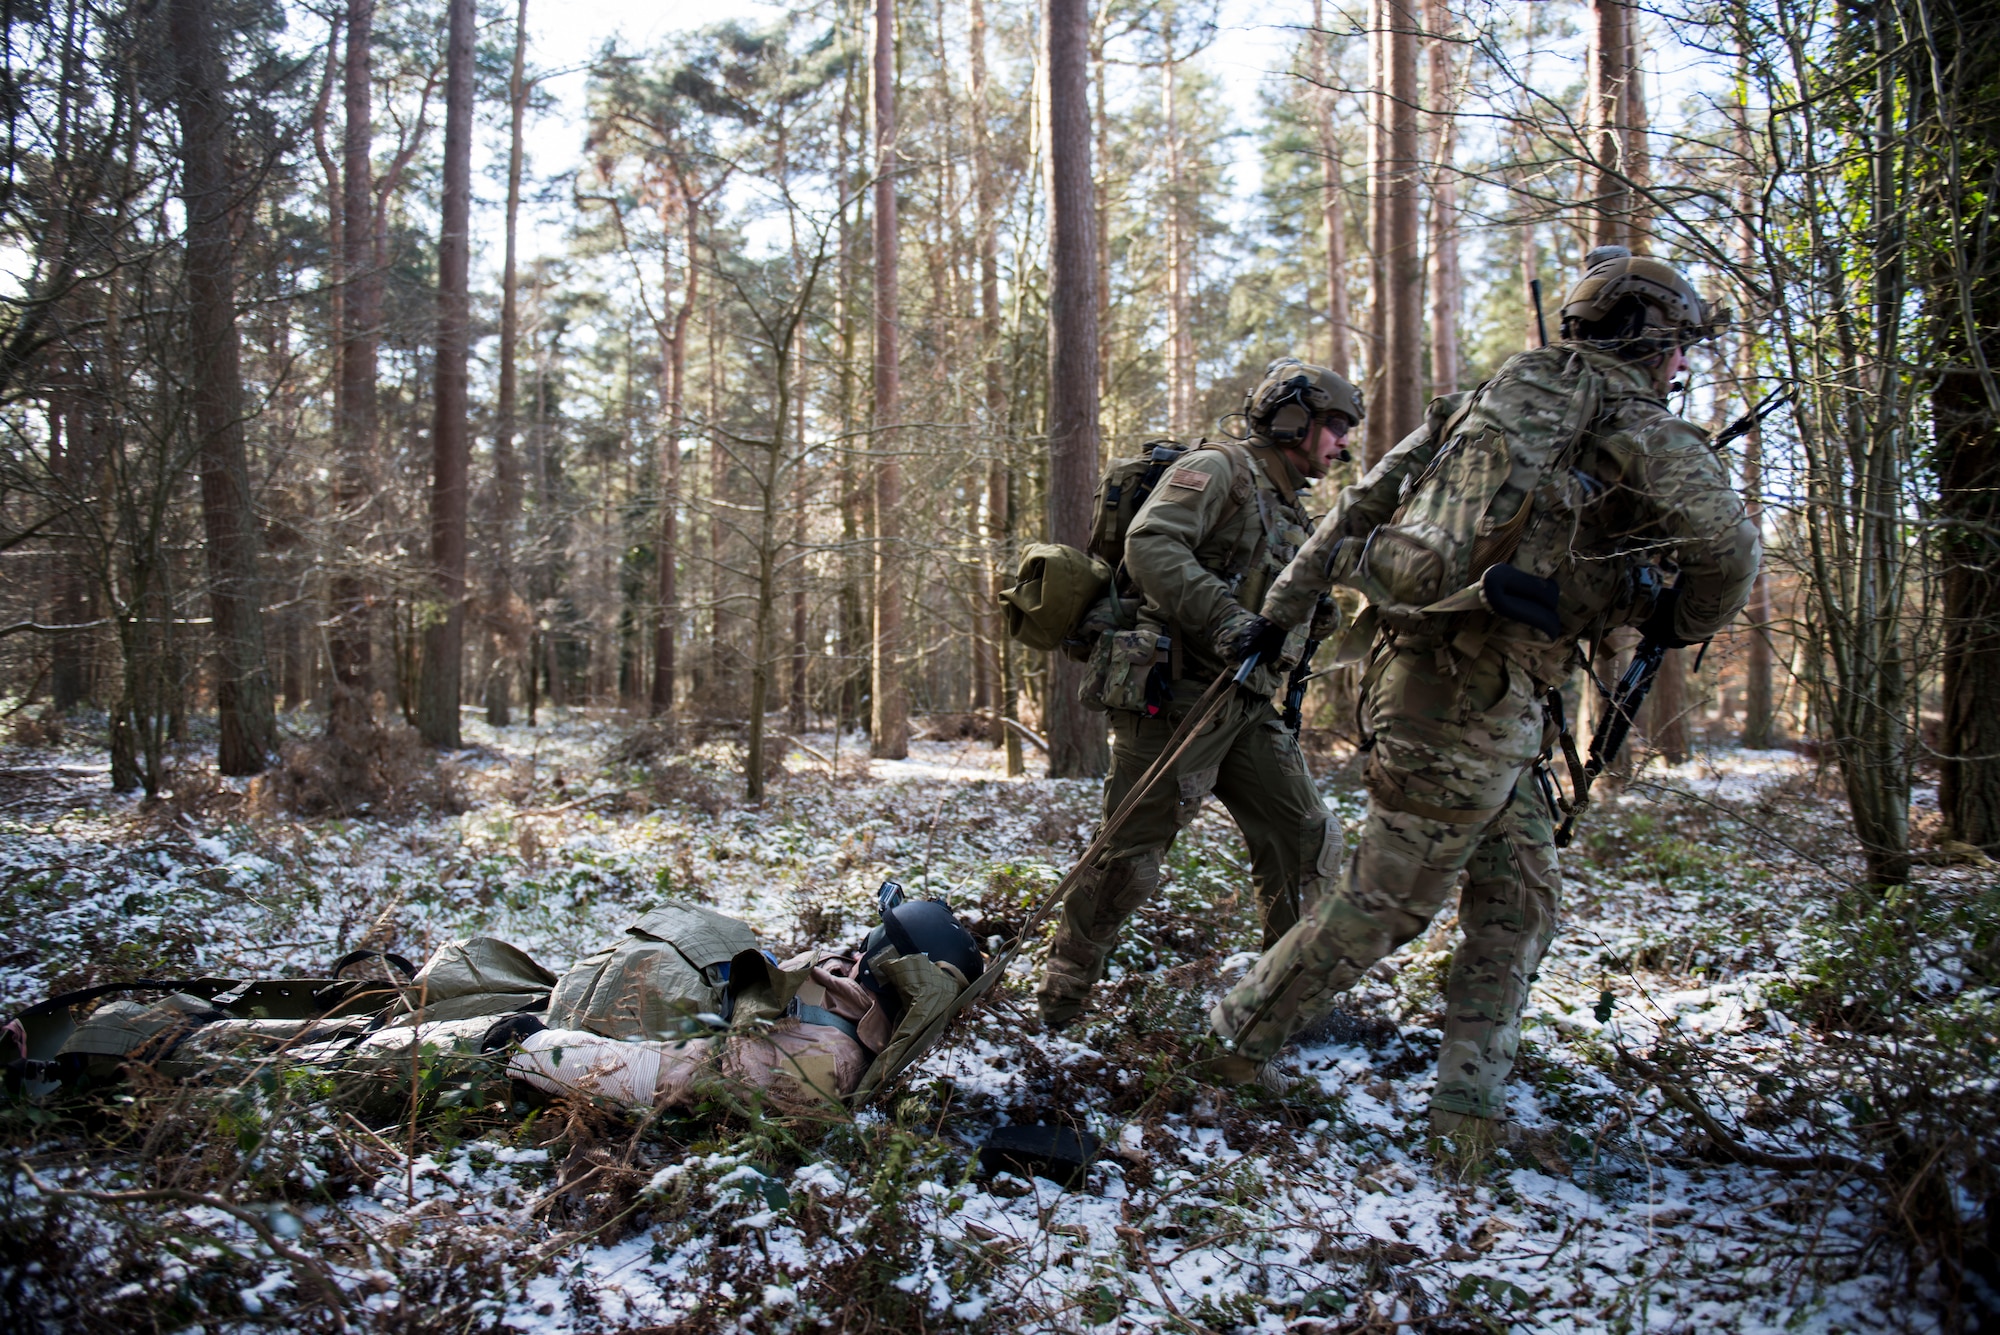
x=1223 y=522
x=1454 y=700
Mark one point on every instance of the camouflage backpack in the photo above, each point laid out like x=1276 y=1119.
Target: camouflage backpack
x=1504 y=457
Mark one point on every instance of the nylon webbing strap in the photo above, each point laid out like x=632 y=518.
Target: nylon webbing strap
x=821 y=1015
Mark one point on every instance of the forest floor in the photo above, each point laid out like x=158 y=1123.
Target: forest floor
x=1709 y=921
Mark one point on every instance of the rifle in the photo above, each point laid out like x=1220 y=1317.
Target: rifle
x=1295 y=689
x=1747 y=423
x=1625 y=699
x=1541 y=325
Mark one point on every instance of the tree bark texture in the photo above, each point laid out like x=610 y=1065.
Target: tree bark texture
x=1077 y=746
x=444 y=629
x=245 y=711
x=1759 y=719
x=1401 y=403
x=349 y=643
x=1608 y=61
x=1444 y=275
x=1969 y=499
x=1179 y=253
x=889 y=735
x=1333 y=224
x=1376 y=435
x=673 y=398
x=1964 y=307
x=503 y=633
x=999 y=528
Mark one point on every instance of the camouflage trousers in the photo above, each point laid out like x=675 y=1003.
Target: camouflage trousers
x=1246 y=757
x=1451 y=793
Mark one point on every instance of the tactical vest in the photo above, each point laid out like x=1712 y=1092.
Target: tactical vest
x=1252 y=539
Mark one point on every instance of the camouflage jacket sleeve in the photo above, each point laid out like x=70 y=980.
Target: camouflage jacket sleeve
x=1171 y=552
x=1360 y=509
x=1681 y=485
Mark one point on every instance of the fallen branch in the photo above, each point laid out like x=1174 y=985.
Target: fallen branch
x=570 y=805
x=821 y=756
x=1729 y=1144
x=1040 y=743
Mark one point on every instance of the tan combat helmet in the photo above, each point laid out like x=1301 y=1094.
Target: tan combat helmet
x=1660 y=307
x=1293 y=395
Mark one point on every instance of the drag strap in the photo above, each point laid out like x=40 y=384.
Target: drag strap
x=1211 y=700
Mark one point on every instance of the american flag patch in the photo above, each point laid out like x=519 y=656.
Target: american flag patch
x=1191 y=478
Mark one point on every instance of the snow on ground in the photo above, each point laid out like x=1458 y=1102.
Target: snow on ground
x=1320 y=1211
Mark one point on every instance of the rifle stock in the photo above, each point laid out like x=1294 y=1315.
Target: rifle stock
x=1609 y=738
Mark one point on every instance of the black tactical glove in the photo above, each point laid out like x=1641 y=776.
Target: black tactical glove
x=1658 y=627
x=1255 y=636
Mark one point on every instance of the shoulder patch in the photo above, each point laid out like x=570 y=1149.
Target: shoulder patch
x=1191 y=478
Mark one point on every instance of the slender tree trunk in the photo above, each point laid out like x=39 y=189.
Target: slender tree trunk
x=349 y=639
x=999 y=554
x=720 y=693
x=1444 y=276
x=1402 y=400
x=444 y=631
x=506 y=468
x=1180 y=323
x=673 y=398
x=1101 y=209
x=1608 y=74
x=1969 y=495
x=1076 y=737
x=1531 y=332
x=1332 y=206
x=1377 y=434
x=1638 y=154
x=890 y=734
x=1871 y=703
x=244 y=708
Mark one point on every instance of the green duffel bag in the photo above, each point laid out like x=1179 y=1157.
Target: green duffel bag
x=1054 y=587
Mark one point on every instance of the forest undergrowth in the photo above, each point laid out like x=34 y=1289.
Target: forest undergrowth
x=1753 y=1093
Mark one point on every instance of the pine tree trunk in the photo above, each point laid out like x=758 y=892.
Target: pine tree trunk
x=245 y=711
x=1076 y=737
x=350 y=644
x=1402 y=401
x=506 y=468
x=1444 y=276
x=889 y=735
x=1666 y=710
x=1759 y=719
x=444 y=631
x=1608 y=63
x=1377 y=433
x=673 y=400
x=1180 y=323
x=1333 y=224
x=1969 y=499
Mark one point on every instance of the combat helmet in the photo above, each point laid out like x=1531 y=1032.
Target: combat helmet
x=1293 y=395
x=922 y=927
x=1636 y=305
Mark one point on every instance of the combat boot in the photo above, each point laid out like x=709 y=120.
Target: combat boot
x=1213 y=1064
x=1064 y=992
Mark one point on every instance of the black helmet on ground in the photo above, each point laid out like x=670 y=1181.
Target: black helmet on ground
x=925 y=927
